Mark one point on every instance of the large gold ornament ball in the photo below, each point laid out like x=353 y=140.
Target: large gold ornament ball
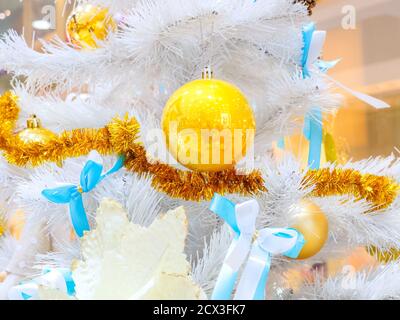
x=313 y=224
x=208 y=125
x=89 y=23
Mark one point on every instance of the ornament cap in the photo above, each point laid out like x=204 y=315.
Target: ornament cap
x=33 y=122
x=207 y=73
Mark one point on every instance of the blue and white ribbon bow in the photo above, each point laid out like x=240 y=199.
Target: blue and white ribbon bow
x=313 y=44
x=59 y=279
x=256 y=248
x=91 y=176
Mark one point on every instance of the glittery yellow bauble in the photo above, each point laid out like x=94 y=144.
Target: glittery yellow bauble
x=312 y=223
x=89 y=23
x=34 y=133
x=206 y=123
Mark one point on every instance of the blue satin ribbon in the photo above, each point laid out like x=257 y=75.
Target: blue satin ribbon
x=259 y=261
x=313 y=120
x=324 y=66
x=91 y=176
x=281 y=143
x=313 y=128
x=225 y=285
x=313 y=131
x=67 y=274
x=225 y=209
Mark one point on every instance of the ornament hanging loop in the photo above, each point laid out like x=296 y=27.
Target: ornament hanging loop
x=33 y=122
x=207 y=73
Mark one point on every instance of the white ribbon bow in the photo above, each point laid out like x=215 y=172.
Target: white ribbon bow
x=257 y=247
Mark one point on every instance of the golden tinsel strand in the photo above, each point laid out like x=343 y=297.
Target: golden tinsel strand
x=379 y=190
x=384 y=256
x=123 y=133
x=190 y=185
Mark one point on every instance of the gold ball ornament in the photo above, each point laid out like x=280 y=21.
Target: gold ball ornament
x=3 y=276
x=3 y=225
x=312 y=223
x=89 y=23
x=208 y=124
x=34 y=133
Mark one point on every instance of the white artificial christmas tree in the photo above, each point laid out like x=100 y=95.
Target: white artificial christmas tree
x=161 y=45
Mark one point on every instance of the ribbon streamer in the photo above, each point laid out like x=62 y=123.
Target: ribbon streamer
x=313 y=44
x=91 y=176
x=59 y=279
x=281 y=143
x=255 y=248
x=313 y=131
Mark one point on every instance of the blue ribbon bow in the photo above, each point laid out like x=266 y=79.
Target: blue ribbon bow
x=255 y=247
x=91 y=176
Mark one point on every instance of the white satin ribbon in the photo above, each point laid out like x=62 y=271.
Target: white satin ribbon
x=374 y=102
x=246 y=215
x=250 y=247
x=268 y=243
x=316 y=46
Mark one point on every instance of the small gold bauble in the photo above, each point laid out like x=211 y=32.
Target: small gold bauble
x=3 y=276
x=34 y=133
x=312 y=223
x=3 y=225
x=16 y=224
x=208 y=125
x=89 y=23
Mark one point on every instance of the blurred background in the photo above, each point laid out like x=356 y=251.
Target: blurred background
x=364 y=34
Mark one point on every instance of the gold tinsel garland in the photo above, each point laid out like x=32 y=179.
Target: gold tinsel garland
x=120 y=137
x=379 y=190
x=310 y=4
